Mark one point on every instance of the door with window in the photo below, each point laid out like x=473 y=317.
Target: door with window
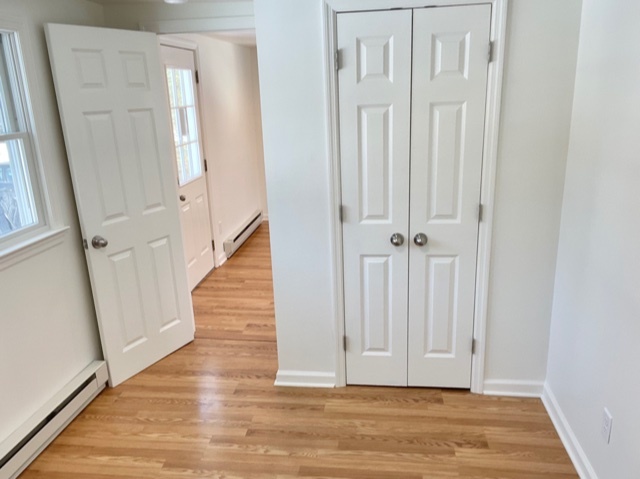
x=180 y=70
x=412 y=91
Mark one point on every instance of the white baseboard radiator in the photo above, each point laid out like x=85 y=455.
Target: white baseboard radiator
x=242 y=234
x=30 y=439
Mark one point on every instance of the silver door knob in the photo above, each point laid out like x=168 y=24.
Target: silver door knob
x=183 y=198
x=420 y=239
x=99 y=242
x=397 y=239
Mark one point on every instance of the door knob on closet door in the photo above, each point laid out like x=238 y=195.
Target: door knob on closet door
x=99 y=242
x=183 y=198
x=397 y=239
x=420 y=239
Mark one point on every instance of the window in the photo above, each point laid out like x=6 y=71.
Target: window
x=185 y=128
x=21 y=209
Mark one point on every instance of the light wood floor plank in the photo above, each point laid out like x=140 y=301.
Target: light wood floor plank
x=210 y=410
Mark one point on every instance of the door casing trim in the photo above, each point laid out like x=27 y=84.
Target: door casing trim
x=489 y=163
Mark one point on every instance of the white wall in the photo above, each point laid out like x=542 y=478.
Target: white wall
x=202 y=16
x=533 y=140
x=290 y=59
x=232 y=140
x=542 y=45
x=594 y=356
x=47 y=320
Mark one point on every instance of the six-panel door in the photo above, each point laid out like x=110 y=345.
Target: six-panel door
x=450 y=58
x=114 y=114
x=409 y=308
x=375 y=102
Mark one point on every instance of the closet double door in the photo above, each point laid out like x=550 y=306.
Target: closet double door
x=412 y=94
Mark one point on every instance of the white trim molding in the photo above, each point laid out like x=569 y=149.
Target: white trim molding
x=305 y=379
x=567 y=436
x=199 y=25
x=490 y=157
x=513 y=388
x=32 y=246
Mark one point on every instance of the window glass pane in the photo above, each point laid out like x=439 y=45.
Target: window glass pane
x=8 y=111
x=17 y=206
x=184 y=123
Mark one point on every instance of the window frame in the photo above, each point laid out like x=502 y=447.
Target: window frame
x=18 y=88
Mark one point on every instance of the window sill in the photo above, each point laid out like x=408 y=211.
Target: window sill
x=31 y=247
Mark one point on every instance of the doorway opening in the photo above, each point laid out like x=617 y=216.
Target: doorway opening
x=223 y=205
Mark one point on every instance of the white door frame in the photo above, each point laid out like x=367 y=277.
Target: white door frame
x=492 y=123
x=192 y=46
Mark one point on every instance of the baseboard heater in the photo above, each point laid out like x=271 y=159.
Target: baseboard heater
x=30 y=439
x=242 y=234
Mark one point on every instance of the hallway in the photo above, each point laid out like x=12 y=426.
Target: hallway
x=210 y=410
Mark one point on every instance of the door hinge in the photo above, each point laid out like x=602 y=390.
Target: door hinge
x=213 y=245
x=344 y=342
x=206 y=167
x=341 y=213
x=85 y=244
x=490 y=52
x=480 y=212
x=197 y=77
x=473 y=346
x=336 y=59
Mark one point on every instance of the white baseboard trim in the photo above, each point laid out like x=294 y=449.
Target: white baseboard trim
x=305 y=379
x=513 y=387
x=567 y=436
x=220 y=260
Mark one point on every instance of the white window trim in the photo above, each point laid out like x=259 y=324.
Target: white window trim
x=34 y=244
x=49 y=232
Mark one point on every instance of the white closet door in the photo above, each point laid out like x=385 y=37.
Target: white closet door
x=374 y=93
x=450 y=57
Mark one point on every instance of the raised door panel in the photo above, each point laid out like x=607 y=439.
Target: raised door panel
x=374 y=90
x=115 y=122
x=450 y=48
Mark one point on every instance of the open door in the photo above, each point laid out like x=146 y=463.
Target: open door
x=115 y=119
x=180 y=68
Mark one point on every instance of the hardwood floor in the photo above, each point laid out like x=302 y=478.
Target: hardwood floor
x=210 y=410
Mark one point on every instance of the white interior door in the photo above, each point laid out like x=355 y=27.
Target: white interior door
x=409 y=308
x=450 y=59
x=375 y=100
x=180 y=70
x=113 y=107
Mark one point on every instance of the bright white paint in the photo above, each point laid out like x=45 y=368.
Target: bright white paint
x=47 y=310
x=297 y=170
x=594 y=353
x=194 y=208
x=536 y=111
x=449 y=91
x=375 y=124
x=240 y=37
x=232 y=140
x=115 y=118
x=205 y=16
x=530 y=170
